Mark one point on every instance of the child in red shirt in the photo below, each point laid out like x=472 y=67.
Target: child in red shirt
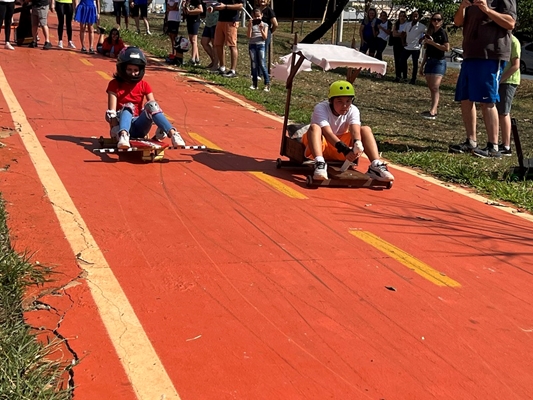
x=126 y=114
x=110 y=46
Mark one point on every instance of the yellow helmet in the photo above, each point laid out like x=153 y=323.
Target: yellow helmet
x=341 y=88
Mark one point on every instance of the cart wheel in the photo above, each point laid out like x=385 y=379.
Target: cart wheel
x=278 y=163
x=389 y=185
x=308 y=180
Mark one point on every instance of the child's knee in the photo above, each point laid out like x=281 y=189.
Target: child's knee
x=152 y=108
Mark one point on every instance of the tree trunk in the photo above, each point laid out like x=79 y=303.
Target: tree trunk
x=328 y=23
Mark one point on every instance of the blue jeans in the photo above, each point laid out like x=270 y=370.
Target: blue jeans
x=257 y=57
x=139 y=127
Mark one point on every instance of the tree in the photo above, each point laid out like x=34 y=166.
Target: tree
x=330 y=20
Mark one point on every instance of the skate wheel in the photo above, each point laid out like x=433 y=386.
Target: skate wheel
x=389 y=185
x=278 y=163
x=308 y=180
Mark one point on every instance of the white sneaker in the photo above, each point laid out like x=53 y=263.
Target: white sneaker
x=60 y=44
x=9 y=47
x=253 y=87
x=177 y=140
x=321 y=171
x=71 y=44
x=124 y=141
x=379 y=171
x=148 y=32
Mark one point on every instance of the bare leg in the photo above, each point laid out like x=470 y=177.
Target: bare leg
x=91 y=37
x=490 y=117
x=146 y=25
x=433 y=82
x=468 y=112
x=369 y=143
x=234 y=55
x=220 y=55
x=208 y=49
x=314 y=137
x=505 y=127
x=82 y=35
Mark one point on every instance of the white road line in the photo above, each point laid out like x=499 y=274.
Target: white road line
x=141 y=363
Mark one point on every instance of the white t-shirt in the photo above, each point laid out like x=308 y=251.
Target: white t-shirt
x=414 y=34
x=323 y=116
x=174 y=15
x=382 y=34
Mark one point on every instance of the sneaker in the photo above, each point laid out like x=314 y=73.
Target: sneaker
x=321 y=171
x=504 y=151
x=267 y=88
x=83 y=50
x=149 y=33
x=177 y=140
x=487 y=152
x=91 y=51
x=138 y=32
x=8 y=46
x=124 y=141
x=47 y=46
x=253 y=87
x=230 y=74
x=397 y=79
x=428 y=115
x=412 y=82
x=379 y=172
x=71 y=44
x=60 y=44
x=33 y=45
x=218 y=71
x=465 y=147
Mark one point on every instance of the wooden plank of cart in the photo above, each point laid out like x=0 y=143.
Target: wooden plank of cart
x=328 y=57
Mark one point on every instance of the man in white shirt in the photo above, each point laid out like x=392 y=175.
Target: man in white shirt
x=336 y=134
x=413 y=34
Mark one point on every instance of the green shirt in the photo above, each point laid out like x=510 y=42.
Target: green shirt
x=514 y=79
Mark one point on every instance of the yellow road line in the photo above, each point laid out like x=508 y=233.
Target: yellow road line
x=406 y=259
x=104 y=75
x=279 y=186
x=86 y=62
x=275 y=183
x=139 y=359
x=204 y=141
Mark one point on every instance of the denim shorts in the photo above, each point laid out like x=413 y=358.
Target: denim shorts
x=435 y=67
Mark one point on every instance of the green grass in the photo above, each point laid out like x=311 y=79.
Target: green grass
x=391 y=109
x=27 y=372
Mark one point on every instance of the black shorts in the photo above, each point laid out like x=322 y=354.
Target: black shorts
x=173 y=27
x=139 y=8
x=120 y=8
x=193 y=26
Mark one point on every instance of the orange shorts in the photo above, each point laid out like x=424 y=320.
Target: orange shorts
x=329 y=151
x=226 y=34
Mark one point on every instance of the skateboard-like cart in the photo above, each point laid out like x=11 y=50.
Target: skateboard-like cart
x=328 y=57
x=148 y=150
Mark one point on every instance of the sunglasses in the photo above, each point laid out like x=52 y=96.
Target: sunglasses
x=436 y=19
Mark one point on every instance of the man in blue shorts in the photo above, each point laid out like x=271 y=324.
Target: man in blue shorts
x=486 y=47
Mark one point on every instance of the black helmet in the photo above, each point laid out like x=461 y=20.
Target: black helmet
x=130 y=56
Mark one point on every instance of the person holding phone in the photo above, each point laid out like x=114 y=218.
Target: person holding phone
x=433 y=65
x=258 y=34
x=486 y=47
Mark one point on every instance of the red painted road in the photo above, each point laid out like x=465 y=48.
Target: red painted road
x=246 y=293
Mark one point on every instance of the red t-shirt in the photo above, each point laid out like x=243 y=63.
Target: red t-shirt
x=130 y=93
x=106 y=47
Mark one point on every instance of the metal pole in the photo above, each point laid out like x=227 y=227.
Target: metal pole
x=340 y=27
